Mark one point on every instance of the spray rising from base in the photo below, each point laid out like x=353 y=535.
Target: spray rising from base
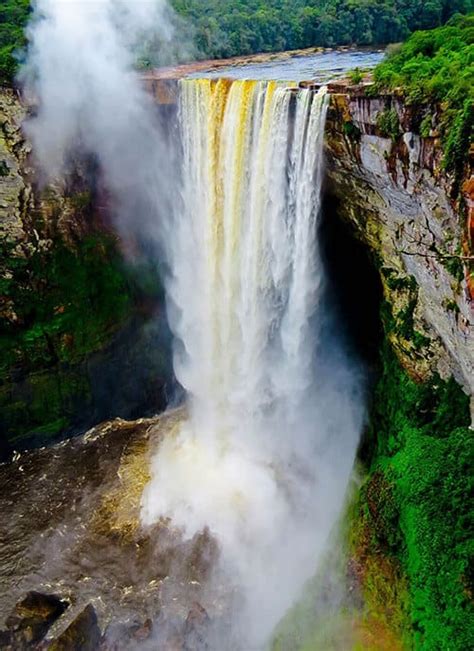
x=264 y=459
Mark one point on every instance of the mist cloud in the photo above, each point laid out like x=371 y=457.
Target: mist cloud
x=90 y=101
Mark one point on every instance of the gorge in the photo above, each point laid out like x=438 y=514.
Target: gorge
x=302 y=331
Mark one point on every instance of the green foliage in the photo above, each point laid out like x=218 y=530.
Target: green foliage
x=421 y=485
x=65 y=300
x=67 y=304
x=455 y=267
x=13 y=17
x=356 y=76
x=396 y=282
x=402 y=323
x=230 y=27
x=459 y=138
x=389 y=124
x=425 y=126
x=351 y=130
x=437 y=66
x=451 y=306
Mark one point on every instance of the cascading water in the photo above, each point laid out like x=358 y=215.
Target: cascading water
x=274 y=410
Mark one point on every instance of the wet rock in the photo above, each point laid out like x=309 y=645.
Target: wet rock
x=31 y=619
x=196 y=628
x=83 y=634
x=124 y=637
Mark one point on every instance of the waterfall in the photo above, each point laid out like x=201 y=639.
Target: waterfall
x=274 y=413
x=252 y=177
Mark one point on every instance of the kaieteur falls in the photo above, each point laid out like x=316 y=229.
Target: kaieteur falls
x=274 y=399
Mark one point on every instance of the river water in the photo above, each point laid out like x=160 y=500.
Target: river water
x=320 y=67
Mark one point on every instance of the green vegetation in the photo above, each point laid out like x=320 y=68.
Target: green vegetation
x=61 y=305
x=13 y=17
x=224 y=28
x=65 y=302
x=356 y=76
x=231 y=27
x=416 y=509
x=389 y=124
x=437 y=67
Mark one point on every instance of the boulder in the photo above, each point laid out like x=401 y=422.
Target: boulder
x=196 y=628
x=83 y=634
x=31 y=619
x=126 y=636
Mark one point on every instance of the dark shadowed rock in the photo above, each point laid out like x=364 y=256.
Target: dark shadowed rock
x=31 y=619
x=83 y=634
x=196 y=628
x=126 y=636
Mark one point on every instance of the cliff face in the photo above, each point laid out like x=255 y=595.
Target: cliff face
x=77 y=336
x=392 y=187
x=409 y=553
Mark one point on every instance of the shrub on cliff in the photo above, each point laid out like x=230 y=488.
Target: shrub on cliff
x=437 y=66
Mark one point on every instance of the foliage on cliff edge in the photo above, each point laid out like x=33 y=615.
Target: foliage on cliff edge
x=437 y=67
x=57 y=307
x=416 y=510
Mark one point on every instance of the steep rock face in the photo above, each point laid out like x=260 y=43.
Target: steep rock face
x=82 y=333
x=407 y=527
x=391 y=186
x=15 y=194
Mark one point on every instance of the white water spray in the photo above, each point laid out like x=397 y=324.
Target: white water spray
x=266 y=454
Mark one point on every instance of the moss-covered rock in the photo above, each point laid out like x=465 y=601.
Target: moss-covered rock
x=414 y=513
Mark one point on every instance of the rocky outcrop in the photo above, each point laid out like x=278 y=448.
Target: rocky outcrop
x=15 y=193
x=391 y=186
x=83 y=634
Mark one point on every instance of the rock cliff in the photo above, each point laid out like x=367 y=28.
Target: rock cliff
x=78 y=340
x=392 y=188
x=408 y=550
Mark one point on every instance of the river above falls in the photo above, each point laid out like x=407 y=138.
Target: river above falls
x=319 y=66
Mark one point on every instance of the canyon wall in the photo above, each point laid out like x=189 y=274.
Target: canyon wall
x=81 y=342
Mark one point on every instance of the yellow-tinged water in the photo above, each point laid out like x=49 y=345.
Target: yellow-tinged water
x=243 y=153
